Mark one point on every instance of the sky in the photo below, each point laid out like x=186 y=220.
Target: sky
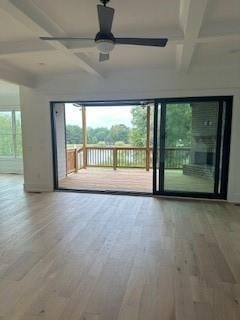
x=99 y=116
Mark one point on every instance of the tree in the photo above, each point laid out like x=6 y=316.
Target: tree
x=98 y=134
x=119 y=143
x=138 y=133
x=74 y=134
x=178 y=125
x=119 y=132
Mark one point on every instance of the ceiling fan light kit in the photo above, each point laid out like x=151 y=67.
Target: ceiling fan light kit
x=105 y=46
x=105 y=40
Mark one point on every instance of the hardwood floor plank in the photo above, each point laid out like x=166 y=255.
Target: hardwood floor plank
x=104 y=257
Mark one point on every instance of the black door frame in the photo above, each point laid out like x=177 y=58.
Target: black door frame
x=159 y=138
x=157 y=134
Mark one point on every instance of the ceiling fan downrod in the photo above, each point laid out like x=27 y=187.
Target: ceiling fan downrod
x=104 y=2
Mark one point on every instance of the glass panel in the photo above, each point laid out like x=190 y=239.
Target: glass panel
x=18 y=145
x=157 y=147
x=18 y=134
x=5 y=122
x=73 y=120
x=6 y=138
x=18 y=122
x=6 y=145
x=190 y=146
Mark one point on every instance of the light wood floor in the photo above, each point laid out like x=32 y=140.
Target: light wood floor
x=70 y=256
x=138 y=180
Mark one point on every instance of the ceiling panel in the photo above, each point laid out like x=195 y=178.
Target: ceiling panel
x=135 y=17
x=41 y=62
x=223 y=11
x=225 y=52
x=12 y=30
x=125 y=57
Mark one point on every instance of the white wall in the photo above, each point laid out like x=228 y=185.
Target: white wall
x=150 y=84
x=10 y=100
x=153 y=83
x=37 y=147
x=9 y=94
x=59 y=116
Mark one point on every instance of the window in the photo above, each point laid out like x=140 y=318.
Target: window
x=10 y=134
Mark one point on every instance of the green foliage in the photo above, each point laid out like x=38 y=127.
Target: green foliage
x=7 y=135
x=97 y=134
x=101 y=144
x=178 y=129
x=102 y=135
x=178 y=125
x=74 y=134
x=138 y=133
x=120 y=143
x=119 y=132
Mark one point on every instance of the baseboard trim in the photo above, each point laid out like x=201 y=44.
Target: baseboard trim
x=37 y=188
x=234 y=198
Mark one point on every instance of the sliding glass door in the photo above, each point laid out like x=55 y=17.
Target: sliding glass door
x=191 y=145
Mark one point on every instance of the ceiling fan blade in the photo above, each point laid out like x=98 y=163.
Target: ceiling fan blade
x=64 y=38
x=75 y=45
x=105 y=17
x=161 y=42
x=103 y=57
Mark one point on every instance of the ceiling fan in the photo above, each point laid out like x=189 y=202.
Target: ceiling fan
x=105 y=40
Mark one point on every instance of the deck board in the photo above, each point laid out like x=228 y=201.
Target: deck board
x=138 y=180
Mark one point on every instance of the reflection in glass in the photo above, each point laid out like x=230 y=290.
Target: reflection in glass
x=190 y=146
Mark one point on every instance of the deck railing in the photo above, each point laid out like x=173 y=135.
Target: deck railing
x=121 y=157
x=118 y=157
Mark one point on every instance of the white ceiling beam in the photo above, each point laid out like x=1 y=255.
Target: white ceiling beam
x=30 y=46
x=217 y=38
x=16 y=75
x=190 y=18
x=41 y=25
x=26 y=46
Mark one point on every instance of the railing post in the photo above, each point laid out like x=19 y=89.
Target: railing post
x=76 y=159
x=67 y=162
x=115 y=158
x=84 y=130
x=85 y=157
x=147 y=159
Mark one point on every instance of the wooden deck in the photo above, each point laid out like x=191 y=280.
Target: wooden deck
x=138 y=180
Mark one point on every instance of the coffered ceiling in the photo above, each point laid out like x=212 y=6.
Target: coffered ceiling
x=201 y=33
